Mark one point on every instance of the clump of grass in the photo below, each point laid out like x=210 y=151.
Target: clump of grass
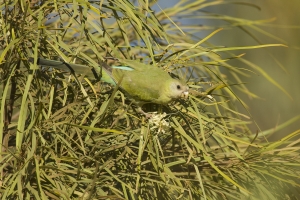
x=65 y=136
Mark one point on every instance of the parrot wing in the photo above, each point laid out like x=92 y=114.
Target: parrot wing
x=150 y=84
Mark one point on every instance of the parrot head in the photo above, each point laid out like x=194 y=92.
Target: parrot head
x=176 y=89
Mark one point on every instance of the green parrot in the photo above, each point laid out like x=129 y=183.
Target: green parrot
x=142 y=83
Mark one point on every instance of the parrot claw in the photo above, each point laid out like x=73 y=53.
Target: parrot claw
x=147 y=115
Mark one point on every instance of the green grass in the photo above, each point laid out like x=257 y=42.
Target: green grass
x=67 y=137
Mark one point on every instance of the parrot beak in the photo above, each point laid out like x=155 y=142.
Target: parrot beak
x=185 y=94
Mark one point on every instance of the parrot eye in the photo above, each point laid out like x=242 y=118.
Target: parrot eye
x=178 y=87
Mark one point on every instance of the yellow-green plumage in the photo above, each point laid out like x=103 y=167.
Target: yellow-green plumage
x=150 y=84
x=143 y=83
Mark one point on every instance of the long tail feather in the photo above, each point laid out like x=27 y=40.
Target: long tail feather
x=92 y=73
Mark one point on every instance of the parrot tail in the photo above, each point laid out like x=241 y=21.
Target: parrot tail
x=69 y=67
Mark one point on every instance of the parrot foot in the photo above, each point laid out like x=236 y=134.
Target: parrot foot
x=147 y=115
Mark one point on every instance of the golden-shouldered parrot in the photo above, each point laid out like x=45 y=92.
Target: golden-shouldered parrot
x=141 y=82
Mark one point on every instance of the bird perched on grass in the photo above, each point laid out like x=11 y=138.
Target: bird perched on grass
x=142 y=83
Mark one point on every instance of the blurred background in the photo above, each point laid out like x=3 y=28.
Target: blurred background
x=274 y=107
x=282 y=64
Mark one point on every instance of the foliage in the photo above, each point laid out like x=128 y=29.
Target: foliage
x=68 y=138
